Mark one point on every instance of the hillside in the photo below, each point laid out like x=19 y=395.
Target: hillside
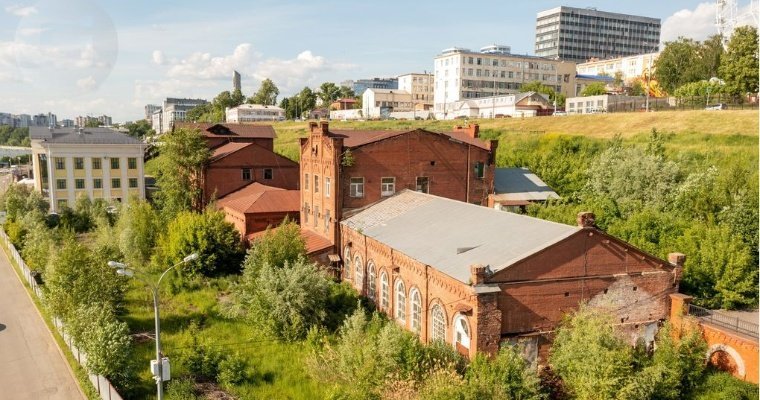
x=690 y=125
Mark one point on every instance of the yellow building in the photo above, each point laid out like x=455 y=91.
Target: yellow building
x=98 y=162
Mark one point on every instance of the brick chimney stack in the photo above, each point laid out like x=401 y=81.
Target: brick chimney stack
x=586 y=219
x=325 y=127
x=312 y=126
x=477 y=274
x=472 y=130
x=677 y=259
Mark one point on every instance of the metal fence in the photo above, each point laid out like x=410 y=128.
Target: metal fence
x=724 y=320
x=678 y=103
x=104 y=387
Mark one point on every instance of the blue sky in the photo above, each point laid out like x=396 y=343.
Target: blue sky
x=92 y=57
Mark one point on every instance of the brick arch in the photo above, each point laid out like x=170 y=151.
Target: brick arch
x=447 y=326
x=741 y=369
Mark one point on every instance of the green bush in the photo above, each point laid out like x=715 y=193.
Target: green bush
x=718 y=385
x=232 y=370
x=181 y=389
x=15 y=232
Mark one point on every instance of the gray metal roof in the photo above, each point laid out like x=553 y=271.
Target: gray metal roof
x=86 y=136
x=520 y=184
x=450 y=235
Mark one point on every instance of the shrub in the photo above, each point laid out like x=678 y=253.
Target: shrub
x=275 y=247
x=181 y=389
x=232 y=370
x=506 y=376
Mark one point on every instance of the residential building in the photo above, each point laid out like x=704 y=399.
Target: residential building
x=256 y=207
x=84 y=121
x=45 y=120
x=343 y=104
x=461 y=74
x=156 y=120
x=236 y=85
x=22 y=121
x=420 y=86
x=345 y=170
x=630 y=68
x=360 y=85
x=478 y=278
x=240 y=155
x=604 y=103
x=516 y=188
x=254 y=113
x=175 y=110
x=150 y=109
x=582 y=81
x=105 y=120
x=6 y=119
x=97 y=162
x=379 y=103
x=580 y=34
x=67 y=123
x=529 y=104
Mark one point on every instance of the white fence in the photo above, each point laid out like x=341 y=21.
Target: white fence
x=105 y=389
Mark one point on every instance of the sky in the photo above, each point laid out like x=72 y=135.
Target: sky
x=94 y=57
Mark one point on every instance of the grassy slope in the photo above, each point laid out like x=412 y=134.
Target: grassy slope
x=693 y=124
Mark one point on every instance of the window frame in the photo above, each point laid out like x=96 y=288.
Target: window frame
x=399 y=296
x=136 y=185
x=78 y=162
x=306 y=181
x=131 y=162
x=60 y=163
x=245 y=172
x=354 y=186
x=97 y=183
x=371 y=281
x=384 y=185
x=115 y=183
x=346 y=256
x=438 y=324
x=97 y=163
x=316 y=183
x=416 y=310
x=264 y=173
x=115 y=163
x=328 y=184
x=60 y=184
x=358 y=273
x=77 y=181
x=417 y=184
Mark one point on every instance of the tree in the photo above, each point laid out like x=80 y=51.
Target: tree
x=92 y=123
x=139 y=129
x=710 y=54
x=215 y=240
x=266 y=95
x=699 y=92
x=204 y=113
x=328 y=93
x=636 y=88
x=346 y=92
x=538 y=87
x=307 y=99
x=618 y=79
x=678 y=64
x=184 y=153
x=593 y=361
x=739 y=66
x=506 y=376
x=680 y=355
x=19 y=200
x=138 y=228
x=594 y=89
x=276 y=247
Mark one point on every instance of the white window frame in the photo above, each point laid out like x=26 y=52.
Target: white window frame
x=316 y=183
x=416 y=310
x=437 y=323
x=346 y=262
x=400 y=300
x=387 y=188
x=356 y=188
x=384 y=289
x=358 y=273
x=462 y=331
x=371 y=281
x=417 y=184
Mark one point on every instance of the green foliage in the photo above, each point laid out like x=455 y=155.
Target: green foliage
x=275 y=247
x=680 y=62
x=538 y=87
x=299 y=104
x=201 y=359
x=699 y=92
x=680 y=360
x=588 y=354
x=215 y=240
x=138 y=228
x=594 y=89
x=722 y=386
x=76 y=277
x=18 y=200
x=637 y=88
x=266 y=95
x=739 y=66
x=16 y=233
x=139 y=129
x=216 y=110
x=183 y=155
x=181 y=389
x=505 y=377
x=10 y=136
x=328 y=93
x=232 y=370
x=38 y=245
x=285 y=300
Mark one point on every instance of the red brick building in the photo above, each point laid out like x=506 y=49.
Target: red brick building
x=475 y=277
x=256 y=207
x=344 y=170
x=242 y=154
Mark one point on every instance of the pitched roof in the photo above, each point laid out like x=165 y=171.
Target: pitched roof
x=356 y=138
x=227 y=149
x=230 y=129
x=258 y=198
x=314 y=242
x=451 y=236
x=85 y=136
x=520 y=184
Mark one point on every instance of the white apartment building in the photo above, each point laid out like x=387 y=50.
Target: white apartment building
x=253 y=113
x=631 y=67
x=462 y=74
x=420 y=86
x=379 y=103
x=175 y=110
x=97 y=162
x=527 y=104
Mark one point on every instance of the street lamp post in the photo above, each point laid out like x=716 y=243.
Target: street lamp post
x=124 y=270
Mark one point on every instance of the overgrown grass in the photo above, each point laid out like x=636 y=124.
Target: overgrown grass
x=79 y=372
x=692 y=128
x=275 y=369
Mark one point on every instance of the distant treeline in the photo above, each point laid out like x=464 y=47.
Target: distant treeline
x=10 y=136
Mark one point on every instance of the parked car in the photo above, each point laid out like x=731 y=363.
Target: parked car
x=559 y=113
x=717 y=107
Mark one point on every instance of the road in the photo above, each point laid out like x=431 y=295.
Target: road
x=31 y=365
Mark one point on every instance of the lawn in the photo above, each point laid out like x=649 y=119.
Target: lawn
x=276 y=369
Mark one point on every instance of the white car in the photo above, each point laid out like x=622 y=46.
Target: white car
x=559 y=113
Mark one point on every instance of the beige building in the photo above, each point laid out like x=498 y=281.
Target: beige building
x=97 y=162
x=377 y=103
x=420 y=86
x=253 y=113
x=462 y=74
x=630 y=67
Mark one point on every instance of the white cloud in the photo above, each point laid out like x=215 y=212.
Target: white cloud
x=20 y=11
x=158 y=57
x=203 y=66
x=699 y=23
x=87 y=83
x=31 y=31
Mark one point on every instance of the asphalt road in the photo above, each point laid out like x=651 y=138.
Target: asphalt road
x=31 y=365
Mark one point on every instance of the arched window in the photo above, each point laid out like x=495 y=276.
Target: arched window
x=346 y=263
x=384 y=291
x=400 y=301
x=461 y=331
x=416 y=310
x=371 y=282
x=438 y=323
x=358 y=273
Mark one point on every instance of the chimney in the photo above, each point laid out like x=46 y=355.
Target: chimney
x=677 y=259
x=472 y=130
x=325 y=127
x=586 y=219
x=312 y=126
x=477 y=274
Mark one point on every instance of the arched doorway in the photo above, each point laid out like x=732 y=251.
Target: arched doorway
x=726 y=358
